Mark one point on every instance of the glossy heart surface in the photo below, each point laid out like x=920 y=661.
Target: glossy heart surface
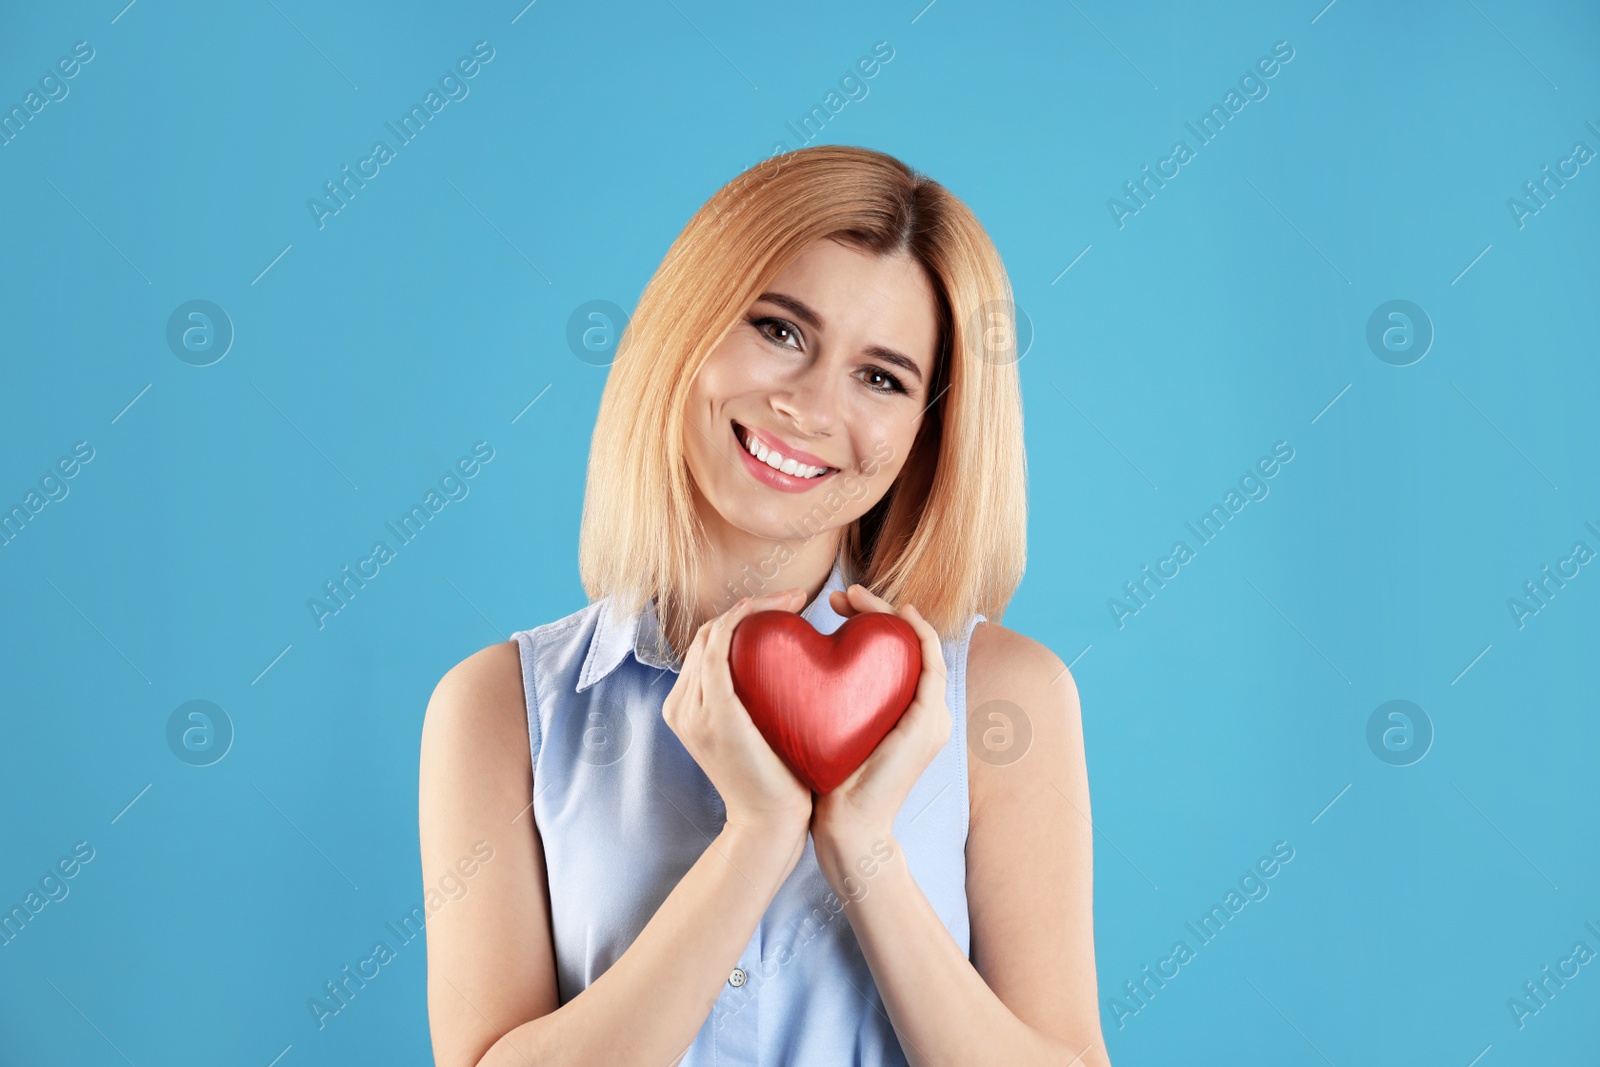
x=824 y=701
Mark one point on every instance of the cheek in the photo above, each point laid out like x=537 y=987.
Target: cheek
x=719 y=378
x=696 y=428
x=725 y=379
x=884 y=437
x=738 y=366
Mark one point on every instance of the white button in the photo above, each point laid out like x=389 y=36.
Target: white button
x=737 y=977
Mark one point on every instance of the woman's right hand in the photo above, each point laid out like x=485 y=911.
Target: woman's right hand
x=757 y=788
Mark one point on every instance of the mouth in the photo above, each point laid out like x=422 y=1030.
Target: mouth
x=770 y=466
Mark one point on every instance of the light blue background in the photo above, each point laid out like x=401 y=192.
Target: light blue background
x=1224 y=317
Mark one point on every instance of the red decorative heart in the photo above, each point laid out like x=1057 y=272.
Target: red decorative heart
x=824 y=701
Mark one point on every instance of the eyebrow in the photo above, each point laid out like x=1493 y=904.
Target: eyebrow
x=805 y=314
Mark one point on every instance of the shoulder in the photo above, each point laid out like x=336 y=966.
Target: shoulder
x=489 y=671
x=1023 y=716
x=478 y=711
x=1003 y=664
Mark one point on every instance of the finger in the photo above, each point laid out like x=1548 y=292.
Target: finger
x=929 y=710
x=865 y=599
x=692 y=654
x=717 y=676
x=783 y=600
x=709 y=629
x=933 y=665
x=721 y=635
x=690 y=674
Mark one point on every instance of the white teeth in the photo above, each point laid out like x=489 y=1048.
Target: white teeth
x=777 y=461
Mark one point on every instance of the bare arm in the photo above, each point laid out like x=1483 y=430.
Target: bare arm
x=1027 y=996
x=492 y=993
x=492 y=989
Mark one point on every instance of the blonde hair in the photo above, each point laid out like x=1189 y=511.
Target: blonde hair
x=949 y=536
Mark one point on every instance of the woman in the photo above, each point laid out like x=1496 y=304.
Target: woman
x=812 y=410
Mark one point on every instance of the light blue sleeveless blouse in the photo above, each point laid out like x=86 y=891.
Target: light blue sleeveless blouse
x=624 y=812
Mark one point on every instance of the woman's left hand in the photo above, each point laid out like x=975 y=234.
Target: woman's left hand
x=863 y=807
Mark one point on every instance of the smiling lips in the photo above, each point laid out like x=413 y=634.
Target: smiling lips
x=779 y=465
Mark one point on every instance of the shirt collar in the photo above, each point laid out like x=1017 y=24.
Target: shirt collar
x=616 y=635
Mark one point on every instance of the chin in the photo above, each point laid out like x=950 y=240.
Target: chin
x=791 y=521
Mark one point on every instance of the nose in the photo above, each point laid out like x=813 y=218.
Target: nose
x=810 y=400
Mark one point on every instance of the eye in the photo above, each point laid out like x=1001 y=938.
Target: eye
x=781 y=331
x=886 y=383
x=770 y=327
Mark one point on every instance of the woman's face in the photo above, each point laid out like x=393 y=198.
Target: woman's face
x=826 y=376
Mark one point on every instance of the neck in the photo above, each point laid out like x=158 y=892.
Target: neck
x=738 y=564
